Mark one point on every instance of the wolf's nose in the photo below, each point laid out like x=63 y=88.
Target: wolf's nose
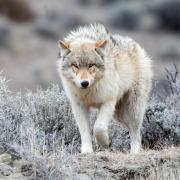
x=85 y=84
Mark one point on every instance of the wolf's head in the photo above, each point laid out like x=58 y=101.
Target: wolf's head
x=82 y=61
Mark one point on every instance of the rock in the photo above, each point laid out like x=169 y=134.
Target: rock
x=126 y=17
x=5 y=158
x=4 y=36
x=104 y=158
x=107 y=2
x=16 y=10
x=168 y=14
x=84 y=2
x=11 y=151
x=52 y=25
x=5 y=169
x=27 y=169
x=65 y=20
x=19 y=168
x=171 y=53
x=49 y=32
x=98 y=2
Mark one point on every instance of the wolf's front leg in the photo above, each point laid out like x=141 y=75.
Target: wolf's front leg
x=81 y=115
x=101 y=125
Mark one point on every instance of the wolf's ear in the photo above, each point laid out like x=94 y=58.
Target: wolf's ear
x=100 y=44
x=62 y=44
x=99 y=47
x=64 y=48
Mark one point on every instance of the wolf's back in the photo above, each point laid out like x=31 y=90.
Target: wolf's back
x=98 y=32
x=94 y=32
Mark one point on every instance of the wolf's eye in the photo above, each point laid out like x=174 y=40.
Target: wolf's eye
x=75 y=65
x=91 y=65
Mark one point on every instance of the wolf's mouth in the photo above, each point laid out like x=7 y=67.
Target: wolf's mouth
x=84 y=87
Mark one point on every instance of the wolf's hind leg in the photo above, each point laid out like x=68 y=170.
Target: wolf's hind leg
x=102 y=122
x=131 y=111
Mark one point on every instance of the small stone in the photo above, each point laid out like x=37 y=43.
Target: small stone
x=104 y=158
x=27 y=169
x=5 y=158
x=5 y=170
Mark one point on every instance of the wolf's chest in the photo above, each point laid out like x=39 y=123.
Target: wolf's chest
x=92 y=100
x=95 y=97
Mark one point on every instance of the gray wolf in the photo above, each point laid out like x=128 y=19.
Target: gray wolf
x=108 y=72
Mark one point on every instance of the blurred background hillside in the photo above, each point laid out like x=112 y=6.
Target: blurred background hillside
x=29 y=31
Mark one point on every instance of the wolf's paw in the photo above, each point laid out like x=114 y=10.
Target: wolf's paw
x=86 y=149
x=134 y=151
x=135 y=148
x=102 y=137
